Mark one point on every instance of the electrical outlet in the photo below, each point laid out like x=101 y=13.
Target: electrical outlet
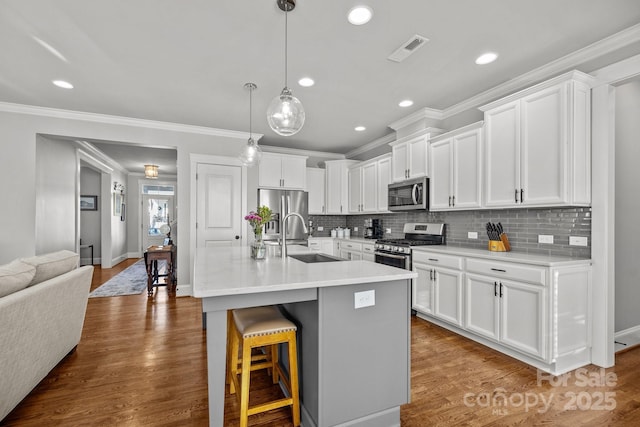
x=320 y=228
x=355 y=228
x=578 y=241
x=364 y=299
x=545 y=238
x=472 y=235
x=388 y=231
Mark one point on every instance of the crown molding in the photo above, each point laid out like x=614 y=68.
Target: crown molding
x=299 y=152
x=91 y=151
x=572 y=60
x=120 y=120
x=423 y=113
x=384 y=140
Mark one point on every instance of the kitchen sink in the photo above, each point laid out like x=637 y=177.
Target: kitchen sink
x=313 y=258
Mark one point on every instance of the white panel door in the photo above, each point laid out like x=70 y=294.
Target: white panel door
x=270 y=171
x=422 y=289
x=400 y=166
x=316 y=189
x=523 y=314
x=441 y=173
x=502 y=153
x=218 y=212
x=544 y=147
x=157 y=210
x=467 y=170
x=369 y=196
x=448 y=295
x=294 y=172
x=418 y=161
x=482 y=306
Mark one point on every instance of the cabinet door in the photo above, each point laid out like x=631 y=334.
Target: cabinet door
x=448 y=295
x=334 y=181
x=422 y=289
x=522 y=317
x=384 y=178
x=502 y=154
x=294 y=172
x=400 y=167
x=270 y=171
x=368 y=188
x=315 y=188
x=418 y=161
x=355 y=186
x=482 y=313
x=441 y=172
x=467 y=170
x=355 y=256
x=544 y=147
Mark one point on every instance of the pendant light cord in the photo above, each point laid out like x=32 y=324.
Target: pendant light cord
x=250 y=109
x=286 y=13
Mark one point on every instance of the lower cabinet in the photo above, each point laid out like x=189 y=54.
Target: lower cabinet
x=508 y=312
x=538 y=313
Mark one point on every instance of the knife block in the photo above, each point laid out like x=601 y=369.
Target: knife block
x=501 y=245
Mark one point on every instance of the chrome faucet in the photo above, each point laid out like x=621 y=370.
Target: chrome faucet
x=284 y=230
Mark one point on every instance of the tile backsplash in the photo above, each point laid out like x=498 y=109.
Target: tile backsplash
x=521 y=225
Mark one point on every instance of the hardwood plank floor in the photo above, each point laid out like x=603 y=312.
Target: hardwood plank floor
x=142 y=362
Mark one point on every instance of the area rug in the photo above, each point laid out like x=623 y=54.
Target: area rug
x=131 y=281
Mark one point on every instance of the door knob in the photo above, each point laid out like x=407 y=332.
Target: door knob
x=237 y=237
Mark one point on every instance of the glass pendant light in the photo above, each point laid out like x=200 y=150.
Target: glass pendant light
x=285 y=113
x=251 y=153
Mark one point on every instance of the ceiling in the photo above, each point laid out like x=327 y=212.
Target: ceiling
x=187 y=61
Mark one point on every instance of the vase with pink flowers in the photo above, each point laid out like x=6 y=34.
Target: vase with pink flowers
x=257 y=219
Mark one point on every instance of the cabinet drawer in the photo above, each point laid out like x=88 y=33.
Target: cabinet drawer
x=314 y=245
x=368 y=248
x=436 y=259
x=351 y=246
x=507 y=270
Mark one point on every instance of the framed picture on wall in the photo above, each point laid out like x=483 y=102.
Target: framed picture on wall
x=122 y=211
x=88 y=203
x=118 y=199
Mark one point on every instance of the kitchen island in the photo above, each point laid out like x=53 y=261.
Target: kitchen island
x=354 y=362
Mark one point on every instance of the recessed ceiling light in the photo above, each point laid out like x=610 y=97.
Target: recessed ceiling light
x=486 y=58
x=406 y=103
x=360 y=15
x=63 y=84
x=306 y=82
x=360 y=128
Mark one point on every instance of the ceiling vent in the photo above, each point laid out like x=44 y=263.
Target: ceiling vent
x=409 y=47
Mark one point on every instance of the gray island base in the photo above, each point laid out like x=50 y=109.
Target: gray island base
x=354 y=362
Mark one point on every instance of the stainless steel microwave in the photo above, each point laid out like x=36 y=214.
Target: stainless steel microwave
x=409 y=195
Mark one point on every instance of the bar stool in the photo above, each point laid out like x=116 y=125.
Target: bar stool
x=264 y=327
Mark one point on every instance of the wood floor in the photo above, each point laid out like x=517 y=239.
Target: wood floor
x=142 y=362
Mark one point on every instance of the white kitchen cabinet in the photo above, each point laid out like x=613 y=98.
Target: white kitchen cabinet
x=456 y=170
x=410 y=155
x=316 y=189
x=534 y=308
x=368 y=250
x=507 y=311
x=351 y=251
x=384 y=179
x=363 y=185
x=321 y=244
x=337 y=191
x=438 y=290
x=538 y=145
x=282 y=171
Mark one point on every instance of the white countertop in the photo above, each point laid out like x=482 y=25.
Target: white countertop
x=519 y=257
x=222 y=271
x=350 y=239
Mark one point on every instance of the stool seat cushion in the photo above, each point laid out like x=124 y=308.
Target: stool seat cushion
x=261 y=321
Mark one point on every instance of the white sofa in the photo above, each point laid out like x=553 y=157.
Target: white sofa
x=43 y=300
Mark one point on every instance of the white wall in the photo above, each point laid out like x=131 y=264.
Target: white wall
x=90 y=220
x=627 y=207
x=56 y=175
x=20 y=126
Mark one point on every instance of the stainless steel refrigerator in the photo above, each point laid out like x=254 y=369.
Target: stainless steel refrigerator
x=283 y=202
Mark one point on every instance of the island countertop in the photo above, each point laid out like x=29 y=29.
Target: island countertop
x=220 y=271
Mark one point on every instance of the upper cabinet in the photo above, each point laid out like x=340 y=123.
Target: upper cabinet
x=316 y=189
x=368 y=182
x=410 y=155
x=456 y=169
x=537 y=145
x=283 y=171
x=337 y=196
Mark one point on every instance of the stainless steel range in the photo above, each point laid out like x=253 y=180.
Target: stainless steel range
x=397 y=252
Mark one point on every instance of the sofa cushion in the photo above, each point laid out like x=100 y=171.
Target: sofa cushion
x=52 y=264
x=15 y=276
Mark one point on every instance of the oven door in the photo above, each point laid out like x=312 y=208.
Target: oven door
x=393 y=260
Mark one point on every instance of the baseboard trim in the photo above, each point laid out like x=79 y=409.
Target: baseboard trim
x=184 y=290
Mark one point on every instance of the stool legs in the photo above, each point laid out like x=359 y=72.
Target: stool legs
x=293 y=380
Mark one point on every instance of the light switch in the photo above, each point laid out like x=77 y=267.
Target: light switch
x=472 y=235
x=364 y=299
